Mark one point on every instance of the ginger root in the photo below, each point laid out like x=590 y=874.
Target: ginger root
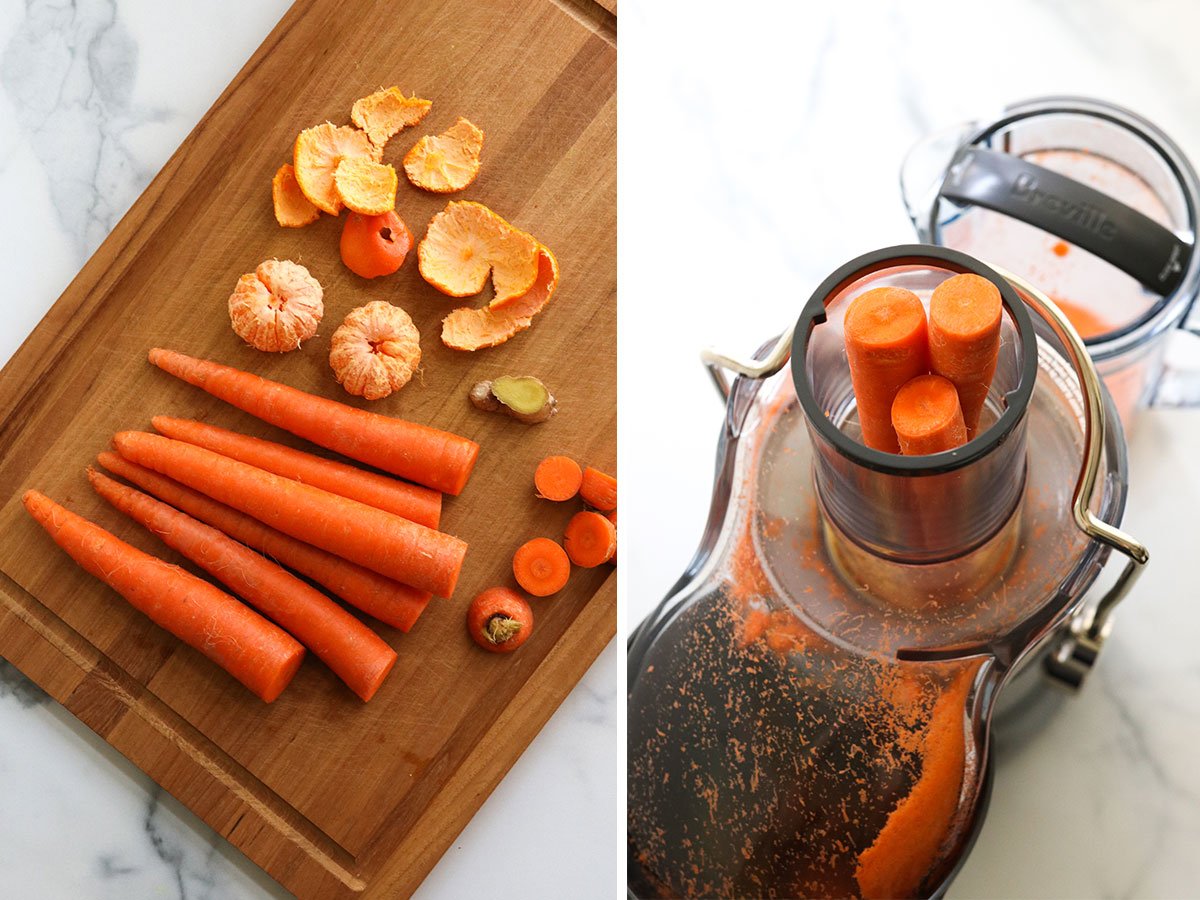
x=521 y=397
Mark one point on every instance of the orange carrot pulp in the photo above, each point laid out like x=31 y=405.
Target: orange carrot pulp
x=927 y=416
x=965 y=312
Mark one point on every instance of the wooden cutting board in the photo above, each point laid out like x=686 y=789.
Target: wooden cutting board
x=332 y=796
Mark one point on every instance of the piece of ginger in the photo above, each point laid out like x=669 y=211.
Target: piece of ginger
x=521 y=397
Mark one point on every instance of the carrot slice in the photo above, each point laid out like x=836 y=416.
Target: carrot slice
x=316 y=156
x=410 y=553
x=446 y=162
x=466 y=242
x=365 y=186
x=260 y=655
x=927 y=416
x=541 y=567
x=387 y=112
x=352 y=650
x=886 y=345
x=388 y=601
x=590 y=539
x=469 y=328
x=598 y=490
x=557 y=478
x=292 y=208
x=436 y=459
x=612 y=517
x=499 y=620
x=964 y=338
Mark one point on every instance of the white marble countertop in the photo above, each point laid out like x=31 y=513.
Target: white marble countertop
x=760 y=150
x=94 y=97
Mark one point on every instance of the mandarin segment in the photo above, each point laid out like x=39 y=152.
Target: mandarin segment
x=276 y=307
x=365 y=186
x=446 y=162
x=375 y=350
x=489 y=326
x=317 y=153
x=467 y=241
x=292 y=208
x=387 y=112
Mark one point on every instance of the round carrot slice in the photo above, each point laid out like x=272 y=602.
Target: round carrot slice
x=277 y=306
x=365 y=186
x=375 y=350
x=445 y=162
x=557 y=478
x=292 y=208
x=499 y=620
x=386 y=112
x=590 y=539
x=474 y=329
x=466 y=242
x=317 y=153
x=541 y=567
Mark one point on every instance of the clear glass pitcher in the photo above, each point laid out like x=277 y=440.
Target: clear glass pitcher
x=1097 y=207
x=810 y=708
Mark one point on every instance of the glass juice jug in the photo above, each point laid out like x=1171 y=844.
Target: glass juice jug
x=810 y=707
x=1094 y=205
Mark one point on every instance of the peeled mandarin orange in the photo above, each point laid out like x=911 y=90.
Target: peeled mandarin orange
x=375 y=350
x=489 y=326
x=446 y=162
x=277 y=306
x=386 y=112
x=365 y=186
x=318 y=151
x=466 y=242
x=292 y=208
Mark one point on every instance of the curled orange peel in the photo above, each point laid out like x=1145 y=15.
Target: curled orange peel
x=292 y=208
x=467 y=242
x=365 y=186
x=446 y=162
x=387 y=112
x=318 y=152
x=472 y=328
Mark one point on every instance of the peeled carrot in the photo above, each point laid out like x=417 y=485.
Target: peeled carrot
x=411 y=501
x=436 y=459
x=499 y=620
x=590 y=539
x=887 y=345
x=927 y=416
x=353 y=651
x=598 y=490
x=964 y=339
x=410 y=553
x=258 y=654
x=541 y=567
x=557 y=478
x=388 y=601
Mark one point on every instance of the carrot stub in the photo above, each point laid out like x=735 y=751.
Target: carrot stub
x=557 y=478
x=388 y=601
x=598 y=490
x=499 y=620
x=541 y=567
x=258 y=654
x=352 y=650
x=436 y=459
x=590 y=539
x=410 y=553
x=964 y=339
x=887 y=345
x=927 y=416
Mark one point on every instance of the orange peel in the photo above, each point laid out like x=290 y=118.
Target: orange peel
x=365 y=186
x=446 y=162
x=292 y=208
x=317 y=153
x=277 y=306
x=466 y=242
x=387 y=112
x=476 y=329
x=375 y=351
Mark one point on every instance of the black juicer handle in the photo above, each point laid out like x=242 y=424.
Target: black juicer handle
x=1118 y=234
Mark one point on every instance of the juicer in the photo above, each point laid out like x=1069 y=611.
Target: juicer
x=810 y=707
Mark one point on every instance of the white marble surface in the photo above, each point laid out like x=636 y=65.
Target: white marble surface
x=759 y=150
x=94 y=97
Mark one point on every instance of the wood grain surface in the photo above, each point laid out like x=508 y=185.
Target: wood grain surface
x=332 y=796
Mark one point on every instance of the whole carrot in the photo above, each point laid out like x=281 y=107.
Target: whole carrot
x=258 y=654
x=410 y=553
x=886 y=346
x=965 y=312
x=388 y=601
x=353 y=651
x=436 y=459
x=411 y=501
x=927 y=416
